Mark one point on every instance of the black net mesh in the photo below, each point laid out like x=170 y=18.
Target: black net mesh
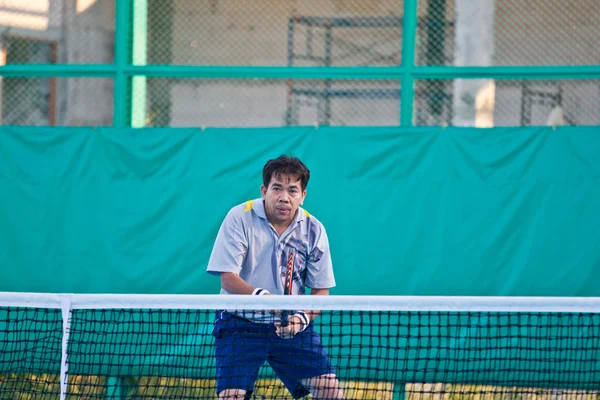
x=179 y=354
x=30 y=353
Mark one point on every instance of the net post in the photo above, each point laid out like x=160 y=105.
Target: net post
x=65 y=305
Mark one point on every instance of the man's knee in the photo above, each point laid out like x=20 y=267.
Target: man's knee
x=324 y=387
x=233 y=394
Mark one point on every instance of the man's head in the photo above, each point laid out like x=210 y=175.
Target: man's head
x=284 y=188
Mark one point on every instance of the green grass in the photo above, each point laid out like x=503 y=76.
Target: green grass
x=37 y=386
x=47 y=386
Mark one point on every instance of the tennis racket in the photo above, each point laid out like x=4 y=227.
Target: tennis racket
x=287 y=289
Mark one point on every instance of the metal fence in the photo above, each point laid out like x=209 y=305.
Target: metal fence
x=217 y=63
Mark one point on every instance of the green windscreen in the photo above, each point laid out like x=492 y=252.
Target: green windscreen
x=408 y=211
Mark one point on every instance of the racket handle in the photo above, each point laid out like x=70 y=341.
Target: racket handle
x=285 y=318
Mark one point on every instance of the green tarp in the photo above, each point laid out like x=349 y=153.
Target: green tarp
x=421 y=211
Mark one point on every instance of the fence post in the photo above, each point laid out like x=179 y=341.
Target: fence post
x=121 y=97
x=409 y=32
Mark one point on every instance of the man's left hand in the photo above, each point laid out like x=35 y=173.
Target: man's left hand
x=291 y=329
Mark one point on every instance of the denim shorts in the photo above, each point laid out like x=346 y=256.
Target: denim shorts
x=242 y=347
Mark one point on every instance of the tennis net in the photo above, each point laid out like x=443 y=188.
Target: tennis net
x=55 y=346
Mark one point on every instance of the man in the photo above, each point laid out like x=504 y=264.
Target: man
x=255 y=244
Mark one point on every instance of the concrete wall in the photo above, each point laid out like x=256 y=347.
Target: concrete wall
x=89 y=39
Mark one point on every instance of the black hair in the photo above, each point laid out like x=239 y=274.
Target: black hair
x=286 y=165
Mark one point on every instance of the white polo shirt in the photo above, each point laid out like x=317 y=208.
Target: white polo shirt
x=248 y=245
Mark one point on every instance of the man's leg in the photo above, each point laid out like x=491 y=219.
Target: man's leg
x=240 y=350
x=324 y=387
x=303 y=366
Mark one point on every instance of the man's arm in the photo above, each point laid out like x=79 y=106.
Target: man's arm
x=312 y=314
x=228 y=253
x=233 y=284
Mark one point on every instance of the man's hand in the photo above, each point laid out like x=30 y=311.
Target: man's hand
x=294 y=326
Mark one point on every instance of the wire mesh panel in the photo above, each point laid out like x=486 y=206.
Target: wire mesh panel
x=29 y=101
x=41 y=32
x=22 y=50
x=547 y=32
x=547 y=102
x=508 y=32
x=215 y=102
x=56 y=101
x=58 y=31
x=258 y=32
x=432 y=103
x=263 y=32
x=435 y=40
x=507 y=102
x=358 y=41
x=268 y=102
x=334 y=102
x=294 y=33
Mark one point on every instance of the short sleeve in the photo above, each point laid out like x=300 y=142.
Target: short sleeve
x=320 y=270
x=230 y=247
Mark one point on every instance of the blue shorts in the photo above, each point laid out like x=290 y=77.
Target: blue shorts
x=243 y=346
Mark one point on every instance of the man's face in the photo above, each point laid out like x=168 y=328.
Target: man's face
x=282 y=198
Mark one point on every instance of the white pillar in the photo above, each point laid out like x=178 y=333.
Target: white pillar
x=140 y=57
x=2 y=62
x=473 y=99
